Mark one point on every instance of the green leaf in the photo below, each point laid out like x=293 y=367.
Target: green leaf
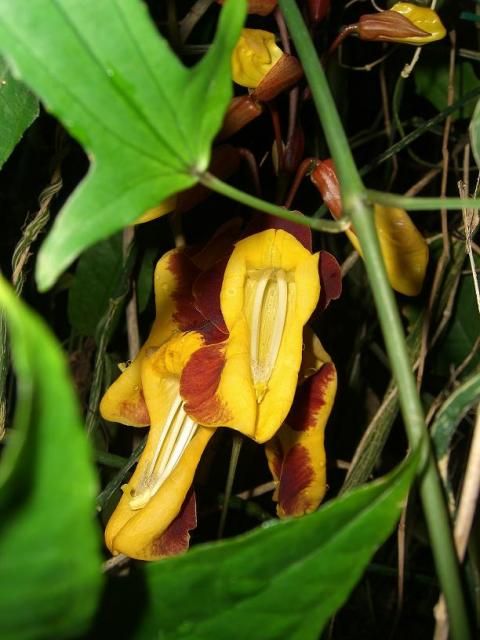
x=475 y=134
x=145 y=278
x=431 y=81
x=462 y=331
x=452 y=412
x=281 y=581
x=49 y=542
x=146 y=121
x=18 y=109
x=97 y=277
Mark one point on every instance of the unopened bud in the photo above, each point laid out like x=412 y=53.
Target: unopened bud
x=241 y=111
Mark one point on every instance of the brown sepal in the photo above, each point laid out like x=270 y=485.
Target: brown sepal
x=388 y=26
x=283 y=75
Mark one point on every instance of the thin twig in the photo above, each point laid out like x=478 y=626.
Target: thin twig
x=131 y=310
x=187 y=24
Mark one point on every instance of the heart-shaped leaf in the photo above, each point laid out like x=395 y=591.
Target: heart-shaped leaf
x=146 y=121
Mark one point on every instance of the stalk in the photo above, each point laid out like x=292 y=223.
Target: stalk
x=354 y=201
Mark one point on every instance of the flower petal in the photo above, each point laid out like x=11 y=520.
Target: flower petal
x=270 y=288
x=156 y=492
x=296 y=455
x=123 y=401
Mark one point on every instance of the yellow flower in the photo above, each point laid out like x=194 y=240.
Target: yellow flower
x=259 y=64
x=227 y=349
x=404 y=249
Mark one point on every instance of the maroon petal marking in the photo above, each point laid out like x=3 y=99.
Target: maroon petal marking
x=186 y=315
x=199 y=383
x=297 y=474
x=262 y=222
x=310 y=398
x=206 y=292
x=330 y=279
x=176 y=538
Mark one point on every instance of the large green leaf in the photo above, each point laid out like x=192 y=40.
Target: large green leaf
x=146 y=121
x=282 y=581
x=18 y=109
x=50 y=573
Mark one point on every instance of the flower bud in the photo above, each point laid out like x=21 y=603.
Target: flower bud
x=403 y=23
x=318 y=10
x=241 y=111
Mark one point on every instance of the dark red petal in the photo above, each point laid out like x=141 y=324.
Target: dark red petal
x=297 y=474
x=176 y=538
x=310 y=398
x=330 y=279
x=199 y=383
x=262 y=222
x=206 y=292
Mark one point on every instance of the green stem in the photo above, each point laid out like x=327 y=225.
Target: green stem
x=329 y=226
x=232 y=468
x=421 y=204
x=354 y=201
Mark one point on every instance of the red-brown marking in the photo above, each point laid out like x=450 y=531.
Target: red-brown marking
x=297 y=475
x=199 y=383
x=330 y=279
x=176 y=538
x=135 y=411
x=186 y=314
x=206 y=292
x=310 y=398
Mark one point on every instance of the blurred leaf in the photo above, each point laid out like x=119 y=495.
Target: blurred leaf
x=18 y=109
x=49 y=542
x=281 y=581
x=431 y=81
x=97 y=278
x=452 y=412
x=127 y=99
x=475 y=134
x=462 y=331
x=145 y=279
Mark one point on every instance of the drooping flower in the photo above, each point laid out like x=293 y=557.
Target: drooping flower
x=229 y=328
x=259 y=64
x=404 y=249
x=405 y=23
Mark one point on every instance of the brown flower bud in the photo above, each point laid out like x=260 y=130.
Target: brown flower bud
x=318 y=10
x=283 y=75
x=388 y=26
x=241 y=111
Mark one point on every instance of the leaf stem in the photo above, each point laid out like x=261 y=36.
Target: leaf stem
x=354 y=203
x=329 y=226
x=419 y=203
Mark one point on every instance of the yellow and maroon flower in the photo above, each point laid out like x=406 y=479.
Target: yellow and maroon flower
x=225 y=350
x=404 y=249
x=296 y=454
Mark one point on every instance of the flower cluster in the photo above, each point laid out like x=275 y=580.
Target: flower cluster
x=228 y=348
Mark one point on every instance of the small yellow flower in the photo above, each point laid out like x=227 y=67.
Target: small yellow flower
x=255 y=54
